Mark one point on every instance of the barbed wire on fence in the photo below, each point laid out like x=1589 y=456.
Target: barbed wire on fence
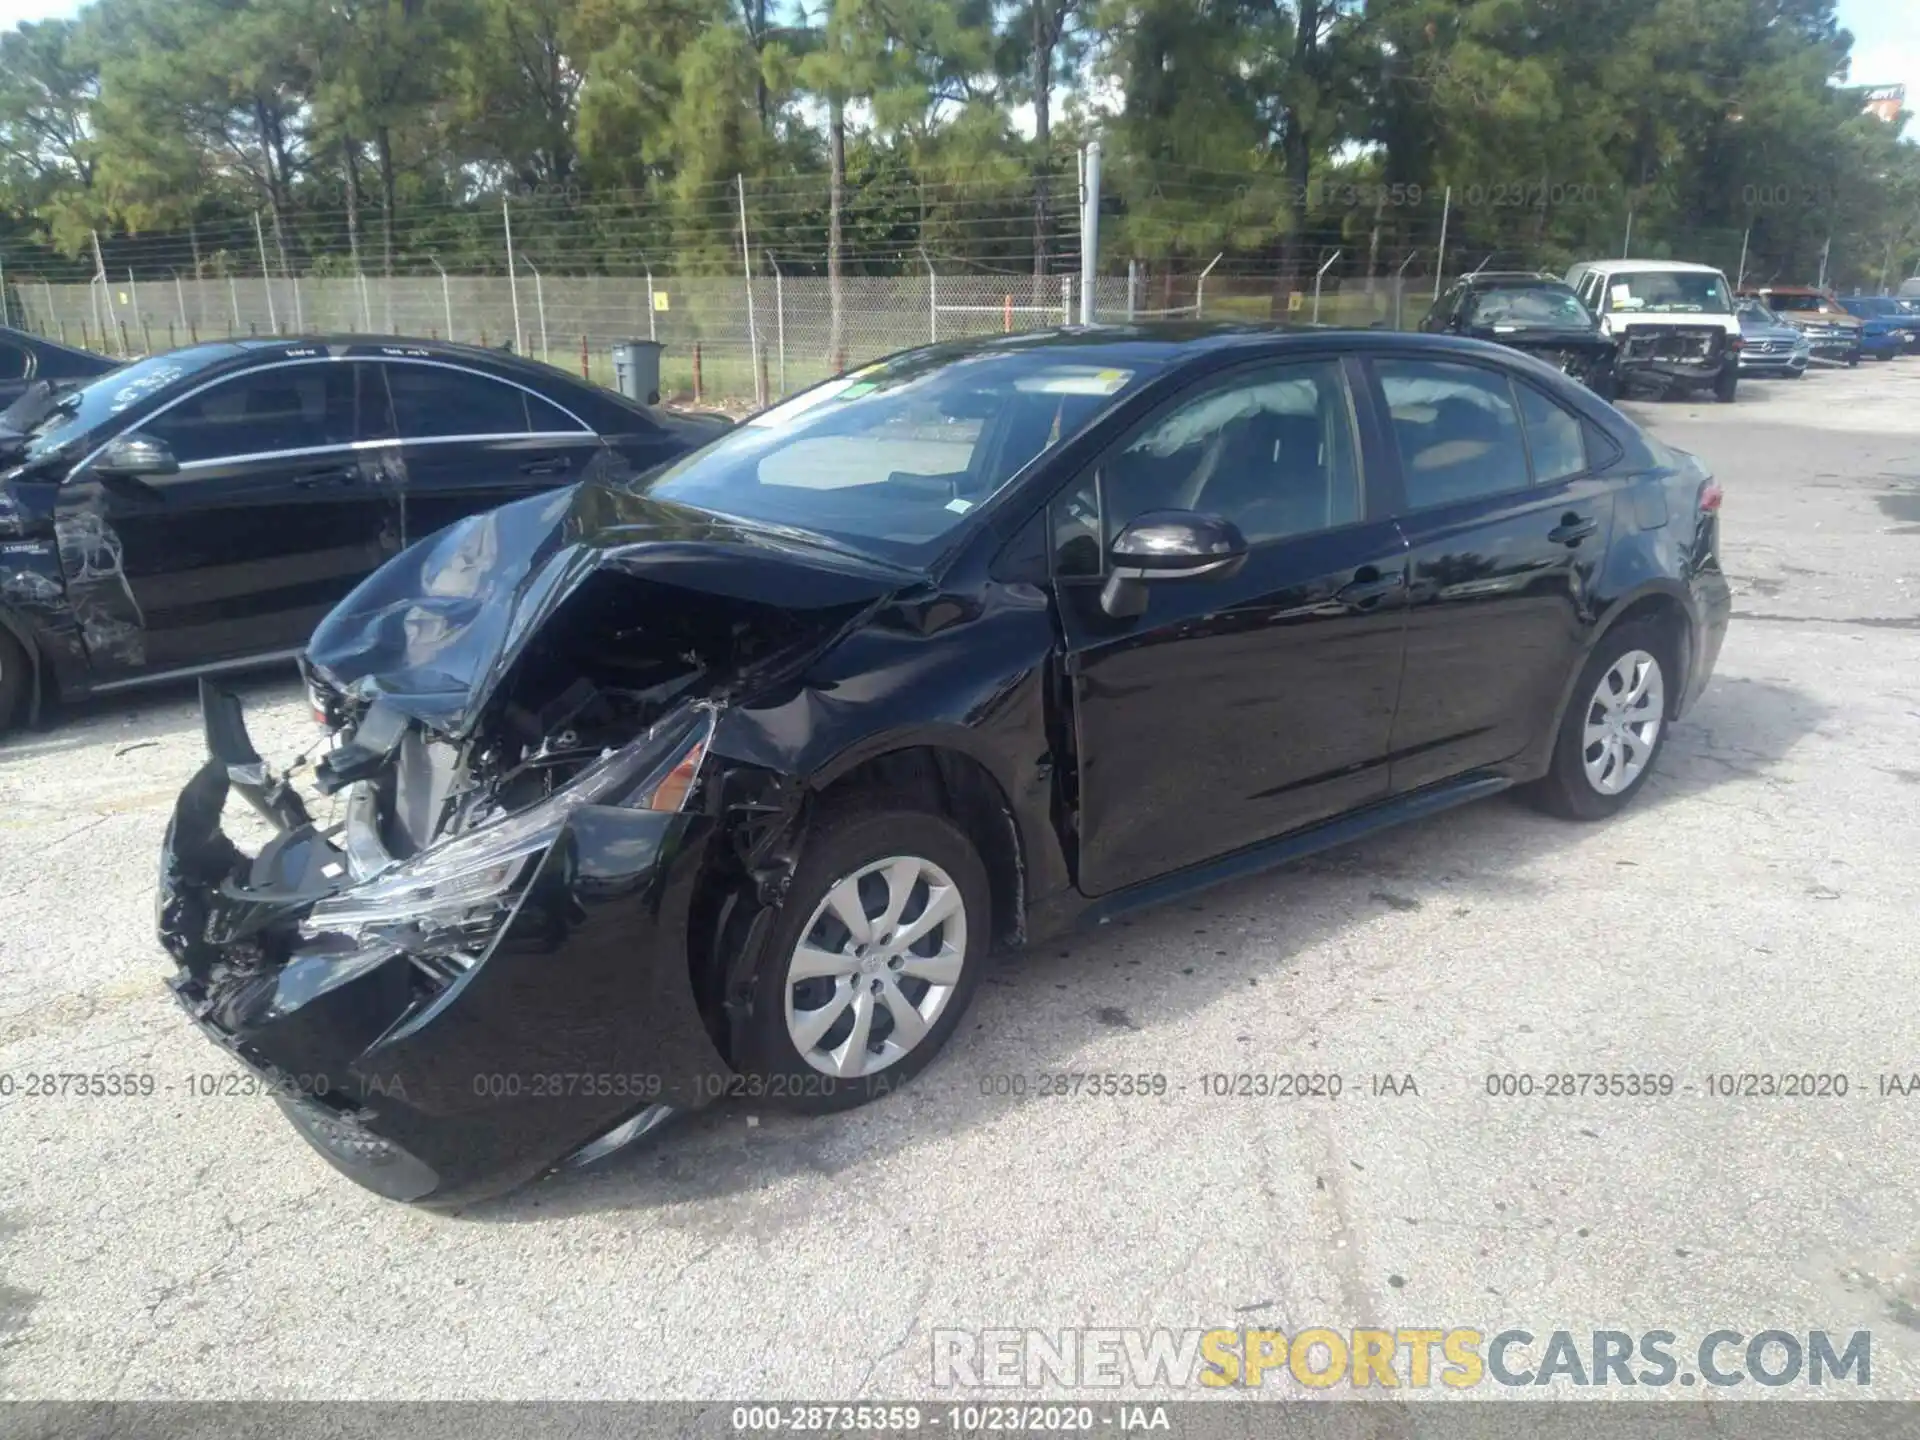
x=734 y=278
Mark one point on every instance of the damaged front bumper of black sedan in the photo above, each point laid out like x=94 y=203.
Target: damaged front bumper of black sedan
x=449 y=1026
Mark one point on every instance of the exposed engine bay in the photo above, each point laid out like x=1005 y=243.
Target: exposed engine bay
x=620 y=653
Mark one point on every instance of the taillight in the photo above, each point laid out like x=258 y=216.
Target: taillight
x=1710 y=497
x=1735 y=342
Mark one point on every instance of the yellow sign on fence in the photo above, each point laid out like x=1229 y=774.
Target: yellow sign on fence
x=660 y=300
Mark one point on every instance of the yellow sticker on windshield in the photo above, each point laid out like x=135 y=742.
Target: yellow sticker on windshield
x=1074 y=382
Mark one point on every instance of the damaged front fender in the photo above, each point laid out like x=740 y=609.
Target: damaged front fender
x=432 y=1076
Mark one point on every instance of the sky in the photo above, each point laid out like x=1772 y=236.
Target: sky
x=1886 y=48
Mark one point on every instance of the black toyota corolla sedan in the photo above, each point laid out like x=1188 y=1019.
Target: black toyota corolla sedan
x=202 y=509
x=727 y=781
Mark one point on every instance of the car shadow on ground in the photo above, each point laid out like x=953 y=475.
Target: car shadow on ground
x=1039 y=1008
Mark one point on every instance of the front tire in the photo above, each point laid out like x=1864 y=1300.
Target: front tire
x=866 y=974
x=1726 y=386
x=15 y=681
x=1615 y=725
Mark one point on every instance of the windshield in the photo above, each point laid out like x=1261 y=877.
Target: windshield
x=1548 y=305
x=1667 y=292
x=1799 y=302
x=888 y=459
x=80 y=411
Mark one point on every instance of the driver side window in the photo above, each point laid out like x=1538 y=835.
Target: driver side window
x=1272 y=450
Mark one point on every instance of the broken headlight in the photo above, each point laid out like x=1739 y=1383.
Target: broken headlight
x=472 y=880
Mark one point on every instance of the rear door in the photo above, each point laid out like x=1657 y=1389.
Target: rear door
x=286 y=497
x=1237 y=707
x=1506 y=524
x=471 y=441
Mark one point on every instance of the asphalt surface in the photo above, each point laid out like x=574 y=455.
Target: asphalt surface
x=1754 y=912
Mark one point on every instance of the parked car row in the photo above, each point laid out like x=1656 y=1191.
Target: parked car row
x=1672 y=325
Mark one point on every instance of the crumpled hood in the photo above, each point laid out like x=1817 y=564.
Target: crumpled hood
x=433 y=631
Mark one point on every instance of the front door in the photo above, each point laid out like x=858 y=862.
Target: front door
x=285 y=498
x=1237 y=708
x=1506 y=524
x=473 y=442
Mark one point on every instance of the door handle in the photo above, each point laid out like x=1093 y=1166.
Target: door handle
x=337 y=475
x=1369 y=585
x=550 y=465
x=1572 y=529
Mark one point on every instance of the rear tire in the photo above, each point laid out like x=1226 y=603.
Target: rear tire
x=16 y=681
x=837 y=1017
x=1606 y=747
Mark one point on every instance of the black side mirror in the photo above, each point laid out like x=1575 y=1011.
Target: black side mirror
x=1166 y=545
x=134 y=456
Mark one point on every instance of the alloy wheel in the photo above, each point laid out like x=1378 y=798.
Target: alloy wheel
x=1623 y=722
x=875 y=966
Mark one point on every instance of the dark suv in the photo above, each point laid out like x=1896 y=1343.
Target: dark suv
x=726 y=782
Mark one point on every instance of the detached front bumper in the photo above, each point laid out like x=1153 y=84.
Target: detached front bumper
x=429 y=1076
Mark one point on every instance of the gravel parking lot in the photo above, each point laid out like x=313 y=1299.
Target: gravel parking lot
x=1755 y=912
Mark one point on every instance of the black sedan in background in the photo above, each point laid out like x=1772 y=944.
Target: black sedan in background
x=26 y=358
x=1531 y=312
x=204 y=508
x=726 y=782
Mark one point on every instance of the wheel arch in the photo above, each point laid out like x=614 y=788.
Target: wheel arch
x=941 y=771
x=1663 y=601
x=37 y=665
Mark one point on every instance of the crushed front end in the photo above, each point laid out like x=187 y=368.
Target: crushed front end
x=497 y=952
x=1675 y=356
x=445 y=1024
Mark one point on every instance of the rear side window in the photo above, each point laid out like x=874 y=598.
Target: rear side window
x=1457 y=429
x=15 y=363
x=433 y=402
x=1556 y=440
x=286 y=407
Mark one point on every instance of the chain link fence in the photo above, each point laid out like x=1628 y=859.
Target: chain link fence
x=566 y=277
x=764 y=339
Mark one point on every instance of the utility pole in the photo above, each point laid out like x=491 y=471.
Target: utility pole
x=1089 y=230
x=266 y=279
x=1440 y=258
x=746 y=269
x=513 y=281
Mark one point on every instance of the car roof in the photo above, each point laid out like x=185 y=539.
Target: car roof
x=44 y=345
x=1781 y=290
x=1511 y=277
x=1631 y=267
x=1165 y=345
